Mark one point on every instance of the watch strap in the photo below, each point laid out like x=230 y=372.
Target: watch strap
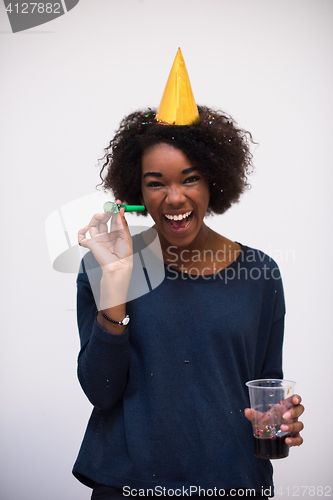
x=124 y=322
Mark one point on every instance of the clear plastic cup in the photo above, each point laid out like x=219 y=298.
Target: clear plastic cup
x=270 y=399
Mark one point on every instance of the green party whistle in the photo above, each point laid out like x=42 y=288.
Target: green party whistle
x=112 y=208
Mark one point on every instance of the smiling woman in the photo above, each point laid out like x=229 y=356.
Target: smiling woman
x=166 y=371
x=213 y=144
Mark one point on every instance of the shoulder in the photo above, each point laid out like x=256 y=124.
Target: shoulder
x=259 y=269
x=263 y=272
x=254 y=256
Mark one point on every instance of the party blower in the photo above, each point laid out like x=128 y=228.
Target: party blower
x=112 y=208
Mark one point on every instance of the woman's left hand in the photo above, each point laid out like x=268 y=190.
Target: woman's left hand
x=294 y=426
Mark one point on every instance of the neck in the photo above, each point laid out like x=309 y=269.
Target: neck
x=183 y=255
x=208 y=253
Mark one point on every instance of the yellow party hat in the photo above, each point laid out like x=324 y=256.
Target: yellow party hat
x=178 y=106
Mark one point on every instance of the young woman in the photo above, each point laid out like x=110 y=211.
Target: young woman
x=166 y=370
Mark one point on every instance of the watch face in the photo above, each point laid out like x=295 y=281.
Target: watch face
x=126 y=320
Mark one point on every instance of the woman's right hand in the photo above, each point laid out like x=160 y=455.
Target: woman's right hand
x=112 y=249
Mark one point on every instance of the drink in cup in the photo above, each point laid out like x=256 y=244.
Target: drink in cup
x=270 y=399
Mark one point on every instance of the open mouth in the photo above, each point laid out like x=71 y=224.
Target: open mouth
x=179 y=221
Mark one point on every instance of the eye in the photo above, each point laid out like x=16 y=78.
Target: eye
x=154 y=184
x=193 y=178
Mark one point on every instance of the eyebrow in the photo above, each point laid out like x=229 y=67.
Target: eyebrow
x=154 y=174
x=188 y=170
x=158 y=174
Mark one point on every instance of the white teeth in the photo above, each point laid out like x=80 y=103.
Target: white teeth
x=178 y=217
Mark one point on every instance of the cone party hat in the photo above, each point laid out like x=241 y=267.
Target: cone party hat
x=178 y=106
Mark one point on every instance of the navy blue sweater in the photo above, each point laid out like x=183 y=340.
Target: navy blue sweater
x=169 y=393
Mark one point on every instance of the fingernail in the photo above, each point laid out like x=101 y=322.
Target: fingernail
x=284 y=428
x=286 y=415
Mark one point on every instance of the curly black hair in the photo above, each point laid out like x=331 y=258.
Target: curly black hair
x=213 y=144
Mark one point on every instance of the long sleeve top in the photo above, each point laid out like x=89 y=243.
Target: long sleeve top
x=169 y=393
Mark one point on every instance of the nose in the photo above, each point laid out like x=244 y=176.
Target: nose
x=175 y=195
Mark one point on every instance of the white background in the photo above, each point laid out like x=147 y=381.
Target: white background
x=64 y=87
